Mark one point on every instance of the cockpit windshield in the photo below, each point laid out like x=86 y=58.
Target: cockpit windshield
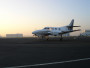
x=46 y=28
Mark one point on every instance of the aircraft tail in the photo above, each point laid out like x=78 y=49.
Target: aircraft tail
x=70 y=26
x=72 y=23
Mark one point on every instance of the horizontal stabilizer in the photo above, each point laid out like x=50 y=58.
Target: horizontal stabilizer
x=76 y=26
x=73 y=26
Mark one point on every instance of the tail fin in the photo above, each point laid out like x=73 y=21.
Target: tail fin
x=70 y=26
x=72 y=23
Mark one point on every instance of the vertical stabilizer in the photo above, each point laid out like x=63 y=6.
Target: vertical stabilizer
x=70 y=27
x=72 y=23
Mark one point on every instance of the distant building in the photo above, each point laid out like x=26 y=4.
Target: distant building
x=14 y=35
x=85 y=33
x=0 y=36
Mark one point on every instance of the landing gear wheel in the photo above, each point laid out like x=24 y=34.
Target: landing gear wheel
x=47 y=38
x=61 y=39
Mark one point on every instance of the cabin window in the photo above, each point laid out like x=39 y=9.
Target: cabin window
x=55 y=28
x=59 y=29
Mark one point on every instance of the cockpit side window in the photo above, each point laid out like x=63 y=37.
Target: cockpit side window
x=55 y=28
x=59 y=28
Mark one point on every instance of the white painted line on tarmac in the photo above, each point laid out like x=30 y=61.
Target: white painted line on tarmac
x=49 y=63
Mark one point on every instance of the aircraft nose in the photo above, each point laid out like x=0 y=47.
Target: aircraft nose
x=34 y=32
x=40 y=32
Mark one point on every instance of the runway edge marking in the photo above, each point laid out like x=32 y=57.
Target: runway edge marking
x=49 y=63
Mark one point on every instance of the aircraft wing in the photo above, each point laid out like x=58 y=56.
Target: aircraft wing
x=64 y=32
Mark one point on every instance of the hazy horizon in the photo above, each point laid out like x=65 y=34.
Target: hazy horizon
x=25 y=16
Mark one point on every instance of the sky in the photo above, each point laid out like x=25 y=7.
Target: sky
x=25 y=16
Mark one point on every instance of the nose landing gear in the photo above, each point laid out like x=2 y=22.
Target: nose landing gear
x=45 y=37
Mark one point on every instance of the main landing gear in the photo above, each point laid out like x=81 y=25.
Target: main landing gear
x=61 y=38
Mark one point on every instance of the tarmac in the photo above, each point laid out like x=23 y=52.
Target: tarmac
x=72 y=52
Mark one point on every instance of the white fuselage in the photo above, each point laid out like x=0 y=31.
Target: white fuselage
x=55 y=31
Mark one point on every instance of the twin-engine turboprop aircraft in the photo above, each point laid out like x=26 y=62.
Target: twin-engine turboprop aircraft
x=55 y=31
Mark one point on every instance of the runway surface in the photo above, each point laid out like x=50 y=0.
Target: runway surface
x=69 y=53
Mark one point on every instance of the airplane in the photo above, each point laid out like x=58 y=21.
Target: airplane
x=55 y=31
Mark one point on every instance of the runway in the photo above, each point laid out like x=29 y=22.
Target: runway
x=31 y=51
